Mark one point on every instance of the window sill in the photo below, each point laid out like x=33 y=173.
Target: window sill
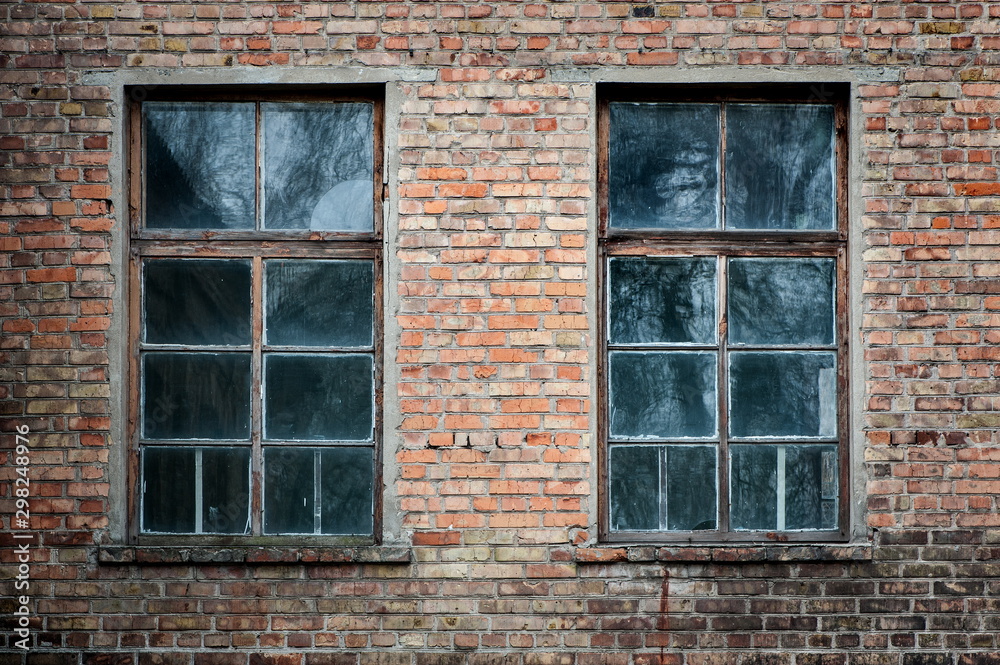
x=249 y=555
x=723 y=554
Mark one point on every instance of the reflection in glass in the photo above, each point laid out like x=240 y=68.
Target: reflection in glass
x=348 y=490
x=199 y=165
x=662 y=300
x=225 y=477
x=784 y=487
x=781 y=301
x=289 y=490
x=638 y=499
x=663 y=166
x=180 y=483
x=783 y=393
x=780 y=166
x=319 y=303
x=310 y=397
x=346 y=483
x=318 y=166
x=196 y=301
x=168 y=490
x=662 y=394
x=196 y=396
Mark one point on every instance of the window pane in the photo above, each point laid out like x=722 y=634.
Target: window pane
x=196 y=395
x=178 y=482
x=168 y=490
x=784 y=487
x=318 y=397
x=663 y=166
x=348 y=490
x=199 y=165
x=319 y=303
x=225 y=476
x=780 y=166
x=691 y=488
x=640 y=502
x=782 y=301
x=318 y=166
x=196 y=302
x=289 y=490
x=634 y=478
x=663 y=394
x=783 y=394
x=662 y=300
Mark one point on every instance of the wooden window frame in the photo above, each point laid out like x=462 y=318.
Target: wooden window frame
x=255 y=246
x=724 y=245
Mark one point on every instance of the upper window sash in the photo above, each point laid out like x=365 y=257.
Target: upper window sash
x=236 y=168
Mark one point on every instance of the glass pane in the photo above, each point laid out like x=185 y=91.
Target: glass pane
x=663 y=394
x=177 y=482
x=196 y=396
x=314 y=397
x=225 y=477
x=319 y=303
x=634 y=478
x=638 y=500
x=780 y=167
x=196 y=302
x=318 y=166
x=662 y=300
x=289 y=490
x=199 y=165
x=691 y=488
x=663 y=168
x=784 y=487
x=168 y=490
x=783 y=394
x=348 y=490
x=782 y=301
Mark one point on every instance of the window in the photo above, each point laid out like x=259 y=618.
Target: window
x=724 y=370
x=255 y=315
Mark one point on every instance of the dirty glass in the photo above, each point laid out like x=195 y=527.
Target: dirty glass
x=225 y=477
x=784 y=487
x=177 y=482
x=312 y=397
x=199 y=165
x=168 y=490
x=196 y=302
x=318 y=166
x=346 y=490
x=783 y=393
x=662 y=394
x=780 y=167
x=289 y=490
x=196 y=396
x=319 y=303
x=662 y=300
x=663 y=170
x=640 y=502
x=782 y=301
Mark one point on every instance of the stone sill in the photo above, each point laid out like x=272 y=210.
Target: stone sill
x=723 y=554
x=249 y=555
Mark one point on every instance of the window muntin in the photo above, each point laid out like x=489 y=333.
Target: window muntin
x=724 y=281
x=256 y=334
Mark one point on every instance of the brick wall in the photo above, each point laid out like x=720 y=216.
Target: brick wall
x=491 y=343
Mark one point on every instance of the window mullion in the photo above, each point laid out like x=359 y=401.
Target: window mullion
x=257 y=398
x=723 y=405
x=722 y=166
x=259 y=171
